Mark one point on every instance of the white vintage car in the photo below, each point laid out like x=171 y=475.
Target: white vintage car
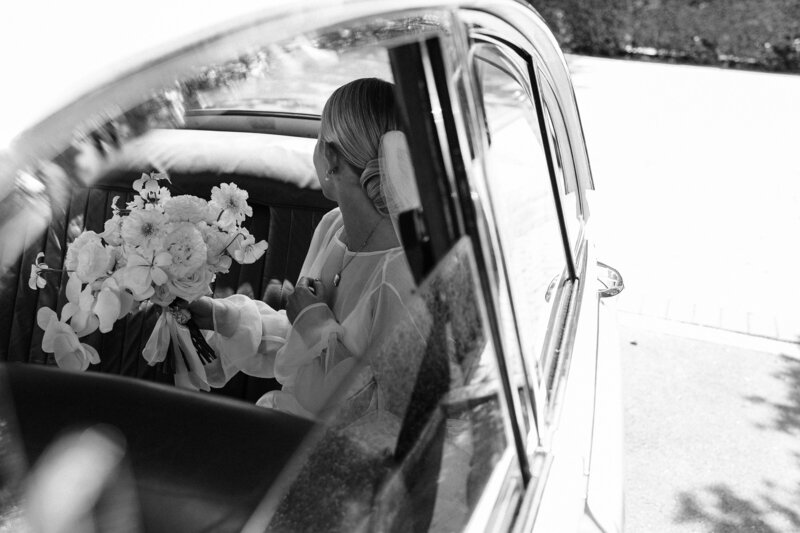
x=512 y=418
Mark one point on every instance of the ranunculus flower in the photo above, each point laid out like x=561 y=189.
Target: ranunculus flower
x=192 y=286
x=230 y=204
x=188 y=250
x=60 y=339
x=187 y=208
x=144 y=229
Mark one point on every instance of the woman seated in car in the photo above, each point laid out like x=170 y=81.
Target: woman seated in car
x=355 y=284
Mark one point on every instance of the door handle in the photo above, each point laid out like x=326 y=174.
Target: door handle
x=610 y=279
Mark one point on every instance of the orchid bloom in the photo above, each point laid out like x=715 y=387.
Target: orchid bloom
x=250 y=251
x=79 y=309
x=36 y=281
x=113 y=302
x=141 y=273
x=148 y=188
x=60 y=339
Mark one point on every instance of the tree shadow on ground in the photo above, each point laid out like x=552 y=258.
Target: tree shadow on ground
x=720 y=508
x=787 y=413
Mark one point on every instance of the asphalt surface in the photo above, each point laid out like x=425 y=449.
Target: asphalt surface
x=698 y=190
x=698 y=206
x=711 y=436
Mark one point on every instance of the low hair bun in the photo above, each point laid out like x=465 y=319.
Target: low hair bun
x=371 y=183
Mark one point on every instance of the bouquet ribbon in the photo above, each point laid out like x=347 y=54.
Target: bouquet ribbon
x=189 y=370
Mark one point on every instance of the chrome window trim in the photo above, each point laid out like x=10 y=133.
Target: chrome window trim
x=565 y=345
x=532 y=500
x=502 y=271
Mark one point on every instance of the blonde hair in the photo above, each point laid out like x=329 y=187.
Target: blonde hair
x=354 y=119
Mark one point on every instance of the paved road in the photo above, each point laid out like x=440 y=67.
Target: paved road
x=698 y=190
x=711 y=435
x=698 y=204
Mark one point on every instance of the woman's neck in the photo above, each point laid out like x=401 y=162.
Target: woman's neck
x=365 y=229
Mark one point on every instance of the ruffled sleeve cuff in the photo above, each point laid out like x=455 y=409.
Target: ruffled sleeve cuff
x=309 y=335
x=257 y=332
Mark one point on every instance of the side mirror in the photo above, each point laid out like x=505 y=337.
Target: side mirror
x=610 y=279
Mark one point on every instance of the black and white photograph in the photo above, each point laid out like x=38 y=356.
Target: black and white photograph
x=363 y=266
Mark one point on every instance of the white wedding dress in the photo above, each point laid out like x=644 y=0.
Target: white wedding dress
x=375 y=319
x=312 y=357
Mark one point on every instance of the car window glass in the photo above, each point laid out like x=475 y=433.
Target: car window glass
x=421 y=462
x=522 y=198
x=562 y=163
x=426 y=456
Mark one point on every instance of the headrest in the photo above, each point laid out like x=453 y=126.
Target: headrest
x=275 y=170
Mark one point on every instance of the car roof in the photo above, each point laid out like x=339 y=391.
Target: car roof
x=57 y=63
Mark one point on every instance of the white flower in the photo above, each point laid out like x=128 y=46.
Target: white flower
x=113 y=302
x=93 y=261
x=79 y=309
x=85 y=238
x=188 y=250
x=230 y=203
x=186 y=208
x=162 y=295
x=61 y=340
x=244 y=248
x=113 y=230
x=142 y=272
x=114 y=208
x=36 y=281
x=193 y=285
x=136 y=204
x=217 y=242
x=144 y=229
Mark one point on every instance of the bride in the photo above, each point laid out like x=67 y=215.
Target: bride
x=355 y=284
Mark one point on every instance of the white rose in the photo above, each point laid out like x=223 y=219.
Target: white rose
x=87 y=237
x=93 y=261
x=192 y=286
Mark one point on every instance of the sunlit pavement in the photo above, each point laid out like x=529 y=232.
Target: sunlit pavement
x=711 y=435
x=698 y=190
x=698 y=205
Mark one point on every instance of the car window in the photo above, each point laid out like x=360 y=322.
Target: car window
x=521 y=196
x=563 y=164
x=419 y=455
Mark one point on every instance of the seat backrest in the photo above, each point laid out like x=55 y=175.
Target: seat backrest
x=286 y=209
x=199 y=463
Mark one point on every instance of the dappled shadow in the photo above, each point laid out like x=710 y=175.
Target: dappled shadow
x=787 y=412
x=721 y=510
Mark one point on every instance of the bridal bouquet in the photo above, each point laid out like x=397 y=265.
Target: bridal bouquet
x=161 y=249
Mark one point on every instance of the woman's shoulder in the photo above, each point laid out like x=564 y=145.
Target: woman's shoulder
x=331 y=218
x=329 y=224
x=396 y=273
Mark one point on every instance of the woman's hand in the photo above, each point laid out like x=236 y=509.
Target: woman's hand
x=307 y=292
x=202 y=311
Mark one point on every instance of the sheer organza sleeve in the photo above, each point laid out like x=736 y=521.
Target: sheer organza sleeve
x=322 y=357
x=259 y=333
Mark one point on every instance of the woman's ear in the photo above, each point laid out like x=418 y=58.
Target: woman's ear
x=331 y=154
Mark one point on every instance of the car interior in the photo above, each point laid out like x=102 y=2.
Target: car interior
x=212 y=470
